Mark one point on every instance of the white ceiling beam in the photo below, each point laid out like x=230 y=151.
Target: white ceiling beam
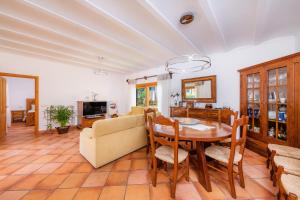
x=21 y=45
x=89 y=29
x=102 y=12
x=212 y=19
x=158 y=15
x=52 y=58
x=108 y=52
x=261 y=14
x=17 y=36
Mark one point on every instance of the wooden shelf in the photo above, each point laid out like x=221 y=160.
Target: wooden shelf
x=253 y=88
x=279 y=85
x=281 y=122
x=277 y=103
x=253 y=102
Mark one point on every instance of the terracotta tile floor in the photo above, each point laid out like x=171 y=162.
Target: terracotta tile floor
x=50 y=167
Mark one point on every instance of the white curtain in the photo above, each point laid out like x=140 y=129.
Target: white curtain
x=163 y=96
x=132 y=96
x=8 y=113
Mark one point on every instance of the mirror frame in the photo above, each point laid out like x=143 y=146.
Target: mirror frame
x=213 y=98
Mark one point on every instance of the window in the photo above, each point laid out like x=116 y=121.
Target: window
x=146 y=94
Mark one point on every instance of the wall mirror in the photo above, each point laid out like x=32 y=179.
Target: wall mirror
x=200 y=89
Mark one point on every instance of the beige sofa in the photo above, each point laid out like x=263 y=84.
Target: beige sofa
x=113 y=138
x=138 y=110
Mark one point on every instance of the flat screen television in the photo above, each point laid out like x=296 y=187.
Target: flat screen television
x=94 y=108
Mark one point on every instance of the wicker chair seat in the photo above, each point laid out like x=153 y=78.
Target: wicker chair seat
x=291 y=184
x=286 y=151
x=290 y=165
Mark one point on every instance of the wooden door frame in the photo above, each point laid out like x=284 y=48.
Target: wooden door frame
x=36 y=96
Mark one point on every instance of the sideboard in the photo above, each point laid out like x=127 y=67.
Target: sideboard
x=214 y=114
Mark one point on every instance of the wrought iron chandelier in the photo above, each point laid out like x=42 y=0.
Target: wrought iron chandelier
x=188 y=64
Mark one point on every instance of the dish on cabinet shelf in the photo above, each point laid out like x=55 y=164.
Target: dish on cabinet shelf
x=272 y=114
x=282 y=100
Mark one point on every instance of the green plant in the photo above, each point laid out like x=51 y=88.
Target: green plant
x=62 y=115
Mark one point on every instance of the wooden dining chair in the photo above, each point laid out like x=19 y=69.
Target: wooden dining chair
x=229 y=116
x=232 y=116
x=167 y=150
x=233 y=155
x=288 y=184
x=291 y=165
x=282 y=150
x=148 y=112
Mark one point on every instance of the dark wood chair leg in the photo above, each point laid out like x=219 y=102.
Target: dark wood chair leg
x=272 y=154
x=273 y=168
x=165 y=166
x=241 y=174
x=271 y=173
x=274 y=179
x=187 y=172
x=281 y=192
x=154 y=173
x=231 y=182
x=174 y=181
x=148 y=143
x=268 y=158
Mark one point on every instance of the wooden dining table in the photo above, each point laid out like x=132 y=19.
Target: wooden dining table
x=214 y=132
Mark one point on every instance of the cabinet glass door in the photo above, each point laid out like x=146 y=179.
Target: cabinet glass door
x=253 y=102
x=277 y=103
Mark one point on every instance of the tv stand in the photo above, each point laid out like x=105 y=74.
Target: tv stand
x=87 y=121
x=93 y=116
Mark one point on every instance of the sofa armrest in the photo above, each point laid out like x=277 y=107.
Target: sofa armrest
x=87 y=132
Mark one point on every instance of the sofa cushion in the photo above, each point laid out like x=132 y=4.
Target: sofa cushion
x=108 y=126
x=137 y=110
x=140 y=120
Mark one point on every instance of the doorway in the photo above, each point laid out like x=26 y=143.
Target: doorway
x=19 y=103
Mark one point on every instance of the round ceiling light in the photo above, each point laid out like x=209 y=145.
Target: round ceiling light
x=188 y=64
x=187 y=18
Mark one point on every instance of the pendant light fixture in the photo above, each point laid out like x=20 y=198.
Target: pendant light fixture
x=188 y=64
x=98 y=71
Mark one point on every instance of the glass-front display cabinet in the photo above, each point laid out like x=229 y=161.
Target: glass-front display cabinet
x=269 y=96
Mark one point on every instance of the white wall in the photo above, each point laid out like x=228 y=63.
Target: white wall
x=297 y=41
x=62 y=84
x=19 y=90
x=225 y=66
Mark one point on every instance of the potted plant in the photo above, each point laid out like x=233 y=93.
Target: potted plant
x=62 y=115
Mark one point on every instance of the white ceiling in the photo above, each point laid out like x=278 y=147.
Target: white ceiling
x=133 y=35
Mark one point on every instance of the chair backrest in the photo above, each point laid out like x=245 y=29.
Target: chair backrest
x=233 y=116
x=228 y=116
x=156 y=138
x=240 y=142
x=149 y=112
